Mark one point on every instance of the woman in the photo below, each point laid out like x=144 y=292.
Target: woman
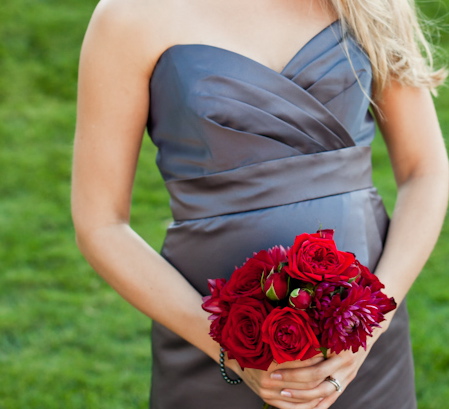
x=260 y=113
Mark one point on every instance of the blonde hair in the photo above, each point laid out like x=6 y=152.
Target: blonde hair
x=390 y=33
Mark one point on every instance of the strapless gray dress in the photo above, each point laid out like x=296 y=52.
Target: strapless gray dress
x=251 y=158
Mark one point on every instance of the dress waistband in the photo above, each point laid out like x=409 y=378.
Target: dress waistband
x=272 y=183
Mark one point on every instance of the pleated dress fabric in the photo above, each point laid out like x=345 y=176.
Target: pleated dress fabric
x=251 y=158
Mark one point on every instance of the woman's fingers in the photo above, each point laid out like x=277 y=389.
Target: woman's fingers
x=323 y=390
x=270 y=393
x=303 y=385
x=307 y=377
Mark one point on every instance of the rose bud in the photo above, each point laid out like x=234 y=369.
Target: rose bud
x=353 y=272
x=300 y=298
x=276 y=285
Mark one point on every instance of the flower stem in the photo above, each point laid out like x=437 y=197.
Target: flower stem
x=324 y=351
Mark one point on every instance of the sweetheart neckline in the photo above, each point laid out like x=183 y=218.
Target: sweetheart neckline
x=235 y=53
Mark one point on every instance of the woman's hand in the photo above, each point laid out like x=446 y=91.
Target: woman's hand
x=271 y=386
x=307 y=387
x=303 y=384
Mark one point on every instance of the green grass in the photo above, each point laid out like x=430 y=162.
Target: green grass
x=66 y=339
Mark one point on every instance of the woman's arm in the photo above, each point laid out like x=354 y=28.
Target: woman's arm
x=118 y=55
x=419 y=159
x=410 y=128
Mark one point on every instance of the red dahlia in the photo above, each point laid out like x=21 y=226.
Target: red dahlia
x=350 y=315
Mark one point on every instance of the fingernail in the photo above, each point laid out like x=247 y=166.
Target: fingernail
x=275 y=375
x=286 y=394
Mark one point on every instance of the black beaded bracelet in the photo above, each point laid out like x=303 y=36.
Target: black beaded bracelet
x=223 y=370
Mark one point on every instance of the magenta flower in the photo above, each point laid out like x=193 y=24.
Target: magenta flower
x=272 y=259
x=348 y=315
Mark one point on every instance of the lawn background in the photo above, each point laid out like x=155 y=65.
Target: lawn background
x=66 y=339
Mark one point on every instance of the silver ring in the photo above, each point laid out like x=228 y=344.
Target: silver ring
x=334 y=382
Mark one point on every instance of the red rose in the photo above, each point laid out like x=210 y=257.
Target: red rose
x=290 y=335
x=242 y=333
x=314 y=258
x=245 y=281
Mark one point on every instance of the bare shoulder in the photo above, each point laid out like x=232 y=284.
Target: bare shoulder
x=139 y=29
x=143 y=13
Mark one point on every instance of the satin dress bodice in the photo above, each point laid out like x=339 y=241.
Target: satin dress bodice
x=211 y=107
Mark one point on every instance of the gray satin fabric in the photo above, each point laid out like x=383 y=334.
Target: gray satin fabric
x=271 y=183
x=251 y=158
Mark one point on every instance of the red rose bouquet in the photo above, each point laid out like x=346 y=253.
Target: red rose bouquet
x=293 y=304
